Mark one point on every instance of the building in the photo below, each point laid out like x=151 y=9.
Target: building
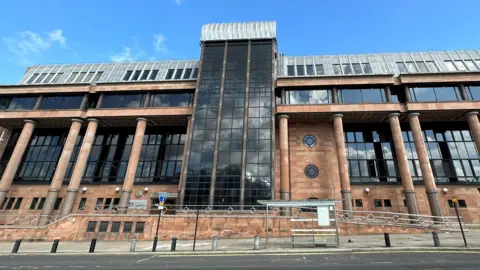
x=395 y=132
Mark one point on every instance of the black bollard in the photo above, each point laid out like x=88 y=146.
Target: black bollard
x=387 y=240
x=436 y=240
x=155 y=240
x=55 y=246
x=16 y=246
x=173 y=247
x=92 y=245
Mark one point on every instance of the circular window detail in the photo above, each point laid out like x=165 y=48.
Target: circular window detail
x=311 y=171
x=309 y=140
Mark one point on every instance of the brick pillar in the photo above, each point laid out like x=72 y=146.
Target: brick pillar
x=402 y=162
x=284 y=159
x=80 y=166
x=342 y=162
x=60 y=171
x=428 y=179
x=16 y=158
x=474 y=125
x=181 y=186
x=132 y=165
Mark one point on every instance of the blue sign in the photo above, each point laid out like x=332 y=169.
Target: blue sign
x=162 y=197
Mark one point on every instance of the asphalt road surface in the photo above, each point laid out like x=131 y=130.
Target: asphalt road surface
x=412 y=260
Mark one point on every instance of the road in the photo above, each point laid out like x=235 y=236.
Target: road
x=413 y=260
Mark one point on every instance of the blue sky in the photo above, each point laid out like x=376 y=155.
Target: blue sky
x=59 y=31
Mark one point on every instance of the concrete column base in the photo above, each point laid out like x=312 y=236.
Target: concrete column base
x=3 y=195
x=412 y=205
x=124 y=201
x=284 y=196
x=48 y=206
x=434 y=205
x=347 y=200
x=69 y=201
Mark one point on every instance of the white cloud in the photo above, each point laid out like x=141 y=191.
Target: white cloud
x=125 y=56
x=159 y=43
x=28 y=43
x=177 y=2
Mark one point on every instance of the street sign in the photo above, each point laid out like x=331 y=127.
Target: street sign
x=162 y=197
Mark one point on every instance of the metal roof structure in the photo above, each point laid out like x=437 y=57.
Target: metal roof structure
x=237 y=31
x=379 y=63
x=111 y=72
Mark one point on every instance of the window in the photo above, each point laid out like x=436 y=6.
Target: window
x=135 y=76
x=422 y=66
x=188 y=73
x=361 y=95
x=308 y=97
x=450 y=66
x=367 y=68
x=58 y=202
x=178 y=74
x=145 y=75
x=91 y=226
x=300 y=70
x=377 y=203
x=470 y=65
x=337 y=69
x=18 y=203
x=99 y=204
x=97 y=77
x=41 y=78
x=435 y=94
x=153 y=74
x=103 y=226
x=127 y=227
x=411 y=66
x=195 y=73
x=169 y=75
x=311 y=171
x=320 y=70
x=387 y=203
x=461 y=204
x=171 y=100
x=41 y=203
x=347 y=69
x=140 y=226
x=460 y=65
x=473 y=92
x=358 y=203
x=61 y=102
x=81 y=205
x=32 y=79
x=291 y=70
x=431 y=66
x=128 y=75
x=309 y=141
x=115 y=227
x=81 y=77
x=310 y=70
x=17 y=103
x=357 y=69
x=401 y=67
x=123 y=100
x=107 y=203
x=33 y=205
x=89 y=76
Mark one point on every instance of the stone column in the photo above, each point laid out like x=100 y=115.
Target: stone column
x=388 y=93
x=402 y=162
x=406 y=90
x=463 y=92
x=181 y=188
x=16 y=158
x=38 y=102
x=284 y=159
x=60 y=171
x=80 y=167
x=132 y=165
x=428 y=179
x=474 y=125
x=84 y=104
x=342 y=162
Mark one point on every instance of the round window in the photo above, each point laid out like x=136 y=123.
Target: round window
x=311 y=171
x=309 y=140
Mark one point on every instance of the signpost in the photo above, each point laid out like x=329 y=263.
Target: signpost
x=162 y=197
x=455 y=203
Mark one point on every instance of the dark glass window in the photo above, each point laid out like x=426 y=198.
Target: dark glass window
x=139 y=227
x=61 y=102
x=41 y=78
x=357 y=69
x=97 y=77
x=300 y=70
x=127 y=227
x=320 y=70
x=358 y=203
x=387 y=203
x=311 y=171
x=373 y=95
x=32 y=79
x=103 y=226
x=171 y=100
x=115 y=227
x=188 y=72
x=291 y=70
x=347 y=69
x=169 y=75
x=367 y=68
x=83 y=202
x=17 y=103
x=377 y=203
x=309 y=140
x=81 y=77
x=91 y=226
x=310 y=70
x=195 y=73
x=337 y=69
x=145 y=75
x=154 y=74
x=41 y=203
x=58 y=202
x=33 y=205
x=123 y=100
x=401 y=67
x=435 y=94
x=178 y=74
x=128 y=75
x=472 y=91
x=18 y=203
x=72 y=77
x=308 y=97
x=461 y=204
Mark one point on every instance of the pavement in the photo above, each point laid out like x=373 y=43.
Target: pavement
x=357 y=261
x=448 y=240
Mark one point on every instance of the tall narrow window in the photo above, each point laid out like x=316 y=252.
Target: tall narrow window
x=188 y=72
x=337 y=70
x=450 y=66
x=300 y=70
x=83 y=202
x=291 y=70
x=154 y=74
x=169 y=75
x=58 y=202
x=127 y=75
x=320 y=70
x=310 y=70
x=136 y=75
x=195 y=73
x=178 y=74
x=145 y=74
